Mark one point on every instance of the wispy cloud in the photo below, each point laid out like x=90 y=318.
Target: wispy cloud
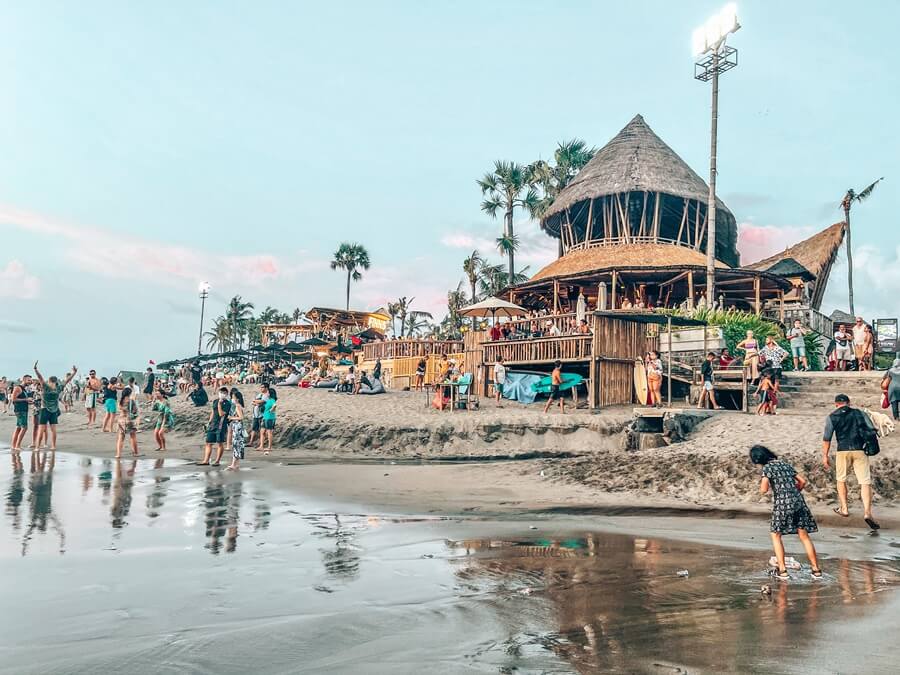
x=16 y=282
x=111 y=254
x=10 y=326
x=536 y=249
x=756 y=242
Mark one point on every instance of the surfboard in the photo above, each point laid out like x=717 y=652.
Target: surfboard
x=569 y=380
x=641 y=390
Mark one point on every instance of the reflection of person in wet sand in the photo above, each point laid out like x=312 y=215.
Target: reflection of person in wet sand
x=16 y=490
x=222 y=505
x=790 y=514
x=41 y=499
x=123 y=482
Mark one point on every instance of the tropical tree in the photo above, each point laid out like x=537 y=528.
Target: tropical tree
x=416 y=322
x=846 y=204
x=393 y=309
x=569 y=158
x=219 y=336
x=403 y=309
x=472 y=268
x=237 y=313
x=296 y=315
x=452 y=323
x=351 y=258
x=494 y=278
x=508 y=186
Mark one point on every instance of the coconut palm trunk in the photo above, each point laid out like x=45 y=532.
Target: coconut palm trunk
x=849 y=256
x=348 y=289
x=511 y=253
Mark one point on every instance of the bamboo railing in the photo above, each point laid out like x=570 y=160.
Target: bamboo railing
x=566 y=348
x=392 y=349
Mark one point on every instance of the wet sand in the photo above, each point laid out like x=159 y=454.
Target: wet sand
x=155 y=565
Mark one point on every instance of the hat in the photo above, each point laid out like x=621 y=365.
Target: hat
x=842 y=398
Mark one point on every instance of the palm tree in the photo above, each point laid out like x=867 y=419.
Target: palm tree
x=507 y=245
x=846 y=203
x=296 y=315
x=456 y=300
x=494 y=278
x=569 y=157
x=393 y=309
x=472 y=267
x=237 y=313
x=402 y=306
x=416 y=322
x=508 y=186
x=219 y=336
x=351 y=258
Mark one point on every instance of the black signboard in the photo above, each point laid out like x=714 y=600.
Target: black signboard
x=886 y=336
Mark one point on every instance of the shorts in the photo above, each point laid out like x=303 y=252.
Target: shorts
x=217 y=435
x=47 y=417
x=844 y=353
x=555 y=393
x=707 y=385
x=257 y=424
x=269 y=424
x=799 y=351
x=2 y=397
x=498 y=387
x=110 y=405
x=21 y=420
x=165 y=426
x=856 y=460
x=90 y=401
x=127 y=428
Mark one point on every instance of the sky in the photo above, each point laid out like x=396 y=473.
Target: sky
x=149 y=146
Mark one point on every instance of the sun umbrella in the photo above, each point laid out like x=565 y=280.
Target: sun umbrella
x=314 y=342
x=492 y=307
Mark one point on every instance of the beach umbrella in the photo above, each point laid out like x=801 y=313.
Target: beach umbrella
x=314 y=342
x=492 y=307
x=295 y=346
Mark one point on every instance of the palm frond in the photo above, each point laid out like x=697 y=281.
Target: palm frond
x=866 y=193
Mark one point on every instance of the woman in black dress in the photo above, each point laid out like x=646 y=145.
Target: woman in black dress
x=790 y=514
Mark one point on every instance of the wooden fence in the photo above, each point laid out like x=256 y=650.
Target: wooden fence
x=567 y=348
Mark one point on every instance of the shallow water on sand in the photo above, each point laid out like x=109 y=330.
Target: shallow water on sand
x=153 y=566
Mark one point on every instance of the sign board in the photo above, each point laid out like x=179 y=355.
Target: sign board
x=886 y=336
x=691 y=340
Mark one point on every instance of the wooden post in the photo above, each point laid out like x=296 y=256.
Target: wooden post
x=588 y=231
x=615 y=284
x=756 y=290
x=643 y=215
x=656 y=217
x=690 y=289
x=594 y=374
x=684 y=217
x=781 y=306
x=556 y=296
x=669 y=392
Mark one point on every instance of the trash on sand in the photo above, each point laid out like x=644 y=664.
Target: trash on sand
x=526 y=591
x=542 y=474
x=766 y=590
x=532 y=527
x=428 y=555
x=387 y=474
x=684 y=574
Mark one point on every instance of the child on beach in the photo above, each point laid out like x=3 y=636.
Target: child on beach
x=126 y=422
x=790 y=514
x=766 y=393
x=164 y=422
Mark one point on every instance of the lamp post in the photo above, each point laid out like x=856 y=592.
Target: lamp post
x=204 y=294
x=714 y=57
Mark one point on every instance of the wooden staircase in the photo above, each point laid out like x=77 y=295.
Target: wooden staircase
x=816 y=390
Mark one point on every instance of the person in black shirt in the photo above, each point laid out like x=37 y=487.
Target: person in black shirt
x=149 y=385
x=198 y=395
x=196 y=372
x=376 y=372
x=848 y=424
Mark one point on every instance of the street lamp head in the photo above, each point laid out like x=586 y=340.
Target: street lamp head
x=708 y=36
x=203 y=288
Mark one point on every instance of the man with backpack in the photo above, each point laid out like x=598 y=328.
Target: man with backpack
x=857 y=440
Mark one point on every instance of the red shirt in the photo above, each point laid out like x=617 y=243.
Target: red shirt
x=495 y=332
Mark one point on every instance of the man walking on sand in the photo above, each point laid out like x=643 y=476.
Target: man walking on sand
x=499 y=379
x=91 y=394
x=848 y=424
x=555 y=393
x=21 y=399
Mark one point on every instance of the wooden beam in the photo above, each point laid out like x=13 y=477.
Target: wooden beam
x=615 y=289
x=556 y=296
x=684 y=217
x=781 y=306
x=588 y=230
x=676 y=278
x=702 y=231
x=690 y=276
x=756 y=288
x=656 y=202
x=643 y=215
x=696 y=224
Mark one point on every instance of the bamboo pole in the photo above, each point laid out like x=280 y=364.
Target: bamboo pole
x=615 y=284
x=684 y=217
x=669 y=388
x=656 y=201
x=781 y=306
x=556 y=296
x=702 y=231
x=643 y=215
x=588 y=230
x=756 y=290
x=690 y=276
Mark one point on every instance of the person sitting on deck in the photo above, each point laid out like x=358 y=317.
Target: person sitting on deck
x=725 y=359
x=583 y=328
x=496 y=333
x=552 y=329
x=534 y=330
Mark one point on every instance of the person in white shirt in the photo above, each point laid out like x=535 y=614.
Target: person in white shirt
x=499 y=379
x=843 y=349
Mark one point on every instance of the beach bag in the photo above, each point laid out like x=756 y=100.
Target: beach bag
x=885 y=403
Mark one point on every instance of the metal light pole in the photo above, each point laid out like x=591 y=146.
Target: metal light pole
x=715 y=58
x=204 y=294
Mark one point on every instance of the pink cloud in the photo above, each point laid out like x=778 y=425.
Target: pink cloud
x=756 y=242
x=15 y=282
x=121 y=256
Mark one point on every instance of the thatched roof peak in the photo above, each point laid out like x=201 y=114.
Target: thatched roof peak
x=635 y=160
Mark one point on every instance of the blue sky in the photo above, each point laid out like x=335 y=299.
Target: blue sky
x=149 y=146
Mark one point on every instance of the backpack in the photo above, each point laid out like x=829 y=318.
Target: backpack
x=868 y=435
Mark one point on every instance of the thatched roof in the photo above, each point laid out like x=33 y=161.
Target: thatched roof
x=788 y=267
x=635 y=160
x=623 y=256
x=816 y=254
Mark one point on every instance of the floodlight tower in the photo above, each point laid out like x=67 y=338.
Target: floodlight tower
x=203 y=291
x=714 y=57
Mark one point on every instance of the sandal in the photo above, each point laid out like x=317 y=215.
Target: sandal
x=817 y=573
x=202 y=463
x=838 y=511
x=873 y=525
x=783 y=574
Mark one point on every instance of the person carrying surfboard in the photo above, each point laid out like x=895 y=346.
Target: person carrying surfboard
x=556 y=379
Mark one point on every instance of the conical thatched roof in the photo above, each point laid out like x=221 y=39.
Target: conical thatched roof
x=635 y=160
x=817 y=254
